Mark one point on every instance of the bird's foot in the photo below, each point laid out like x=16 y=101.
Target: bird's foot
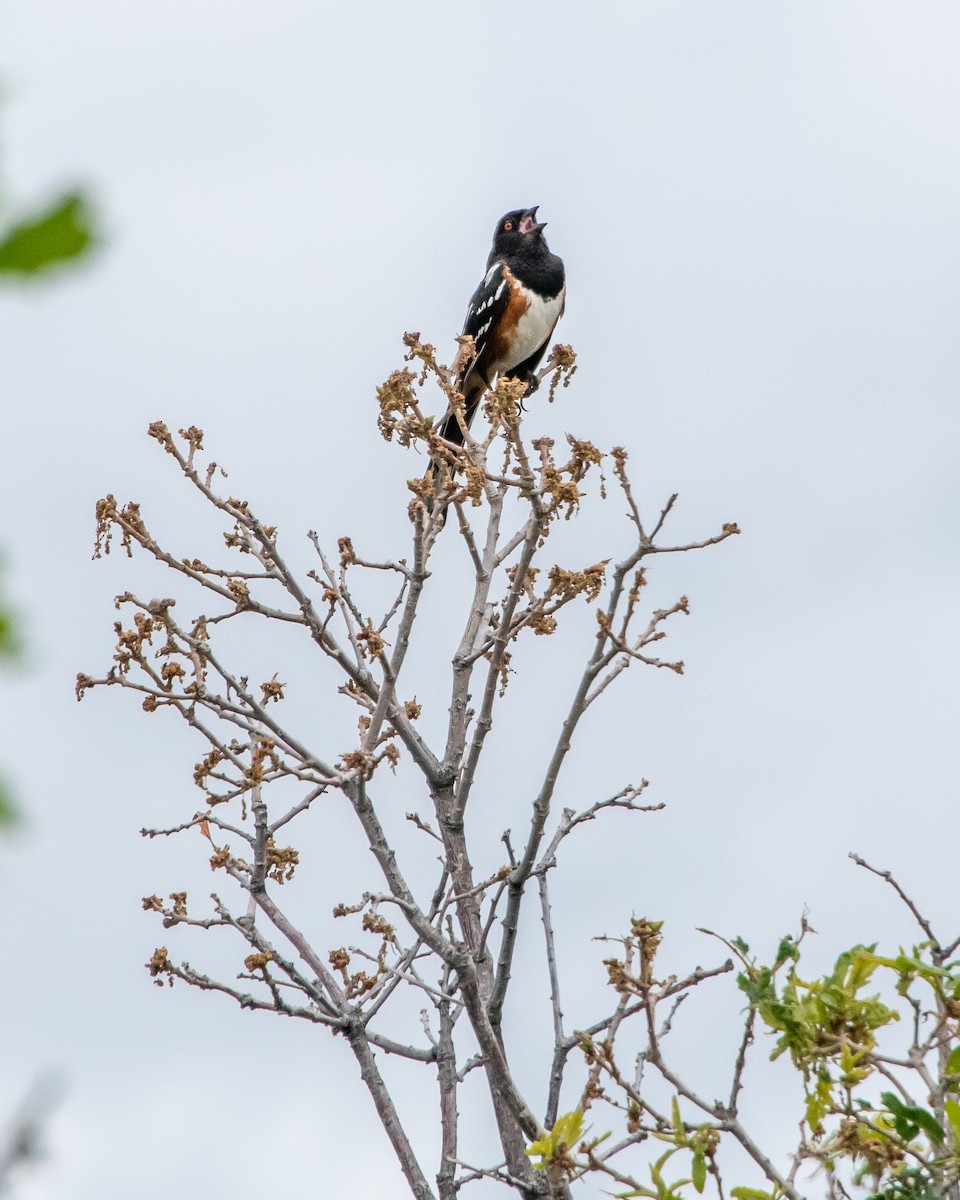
x=532 y=382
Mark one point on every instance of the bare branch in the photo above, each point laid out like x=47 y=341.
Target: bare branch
x=888 y=878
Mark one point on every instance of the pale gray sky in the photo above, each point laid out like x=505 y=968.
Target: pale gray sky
x=757 y=205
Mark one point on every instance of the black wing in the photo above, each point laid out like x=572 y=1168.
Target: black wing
x=487 y=305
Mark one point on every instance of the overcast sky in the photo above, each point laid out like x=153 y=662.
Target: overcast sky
x=757 y=206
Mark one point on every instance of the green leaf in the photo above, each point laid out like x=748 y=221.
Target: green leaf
x=952 y=1109
x=745 y=1193
x=568 y=1129
x=909 y=1119
x=9 y=641
x=929 y=1124
x=563 y=1138
x=953 y=1062
x=6 y=635
x=905 y=1129
x=909 y=1183
x=8 y=813
x=62 y=233
x=699 y=1171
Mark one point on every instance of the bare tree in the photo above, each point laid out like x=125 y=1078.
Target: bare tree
x=449 y=938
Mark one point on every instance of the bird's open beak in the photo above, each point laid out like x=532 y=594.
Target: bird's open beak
x=529 y=222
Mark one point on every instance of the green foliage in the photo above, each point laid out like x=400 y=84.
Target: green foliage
x=910 y=967
x=952 y=1112
x=830 y=1029
x=909 y=1119
x=818 y=1019
x=59 y=234
x=557 y=1147
x=826 y=1025
x=909 y=1184
x=701 y=1142
x=880 y=1116
x=9 y=641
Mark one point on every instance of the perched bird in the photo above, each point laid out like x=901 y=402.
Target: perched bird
x=512 y=313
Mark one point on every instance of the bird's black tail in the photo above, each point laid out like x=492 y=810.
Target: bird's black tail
x=451 y=430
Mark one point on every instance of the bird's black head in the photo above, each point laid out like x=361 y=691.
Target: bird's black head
x=517 y=232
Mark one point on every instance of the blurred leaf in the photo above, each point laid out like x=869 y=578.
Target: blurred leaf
x=909 y=1184
x=699 y=1171
x=62 y=233
x=952 y=1109
x=8 y=814
x=8 y=640
x=953 y=1062
x=909 y=1119
x=929 y=1124
x=562 y=1139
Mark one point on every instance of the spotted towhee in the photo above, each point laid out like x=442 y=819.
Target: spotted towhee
x=512 y=313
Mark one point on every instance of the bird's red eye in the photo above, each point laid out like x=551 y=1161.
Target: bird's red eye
x=508 y=225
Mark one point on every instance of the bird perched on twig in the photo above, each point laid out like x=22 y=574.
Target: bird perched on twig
x=512 y=314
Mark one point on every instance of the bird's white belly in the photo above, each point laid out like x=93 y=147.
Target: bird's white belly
x=535 y=326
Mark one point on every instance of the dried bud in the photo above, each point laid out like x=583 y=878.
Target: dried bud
x=396 y=398
x=339 y=960
x=272 y=690
x=542 y=624
x=157 y=429
x=374 y=923
x=360 y=761
x=159 y=963
x=240 y=592
x=283 y=861
x=257 y=962
x=171 y=671
x=374 y=642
